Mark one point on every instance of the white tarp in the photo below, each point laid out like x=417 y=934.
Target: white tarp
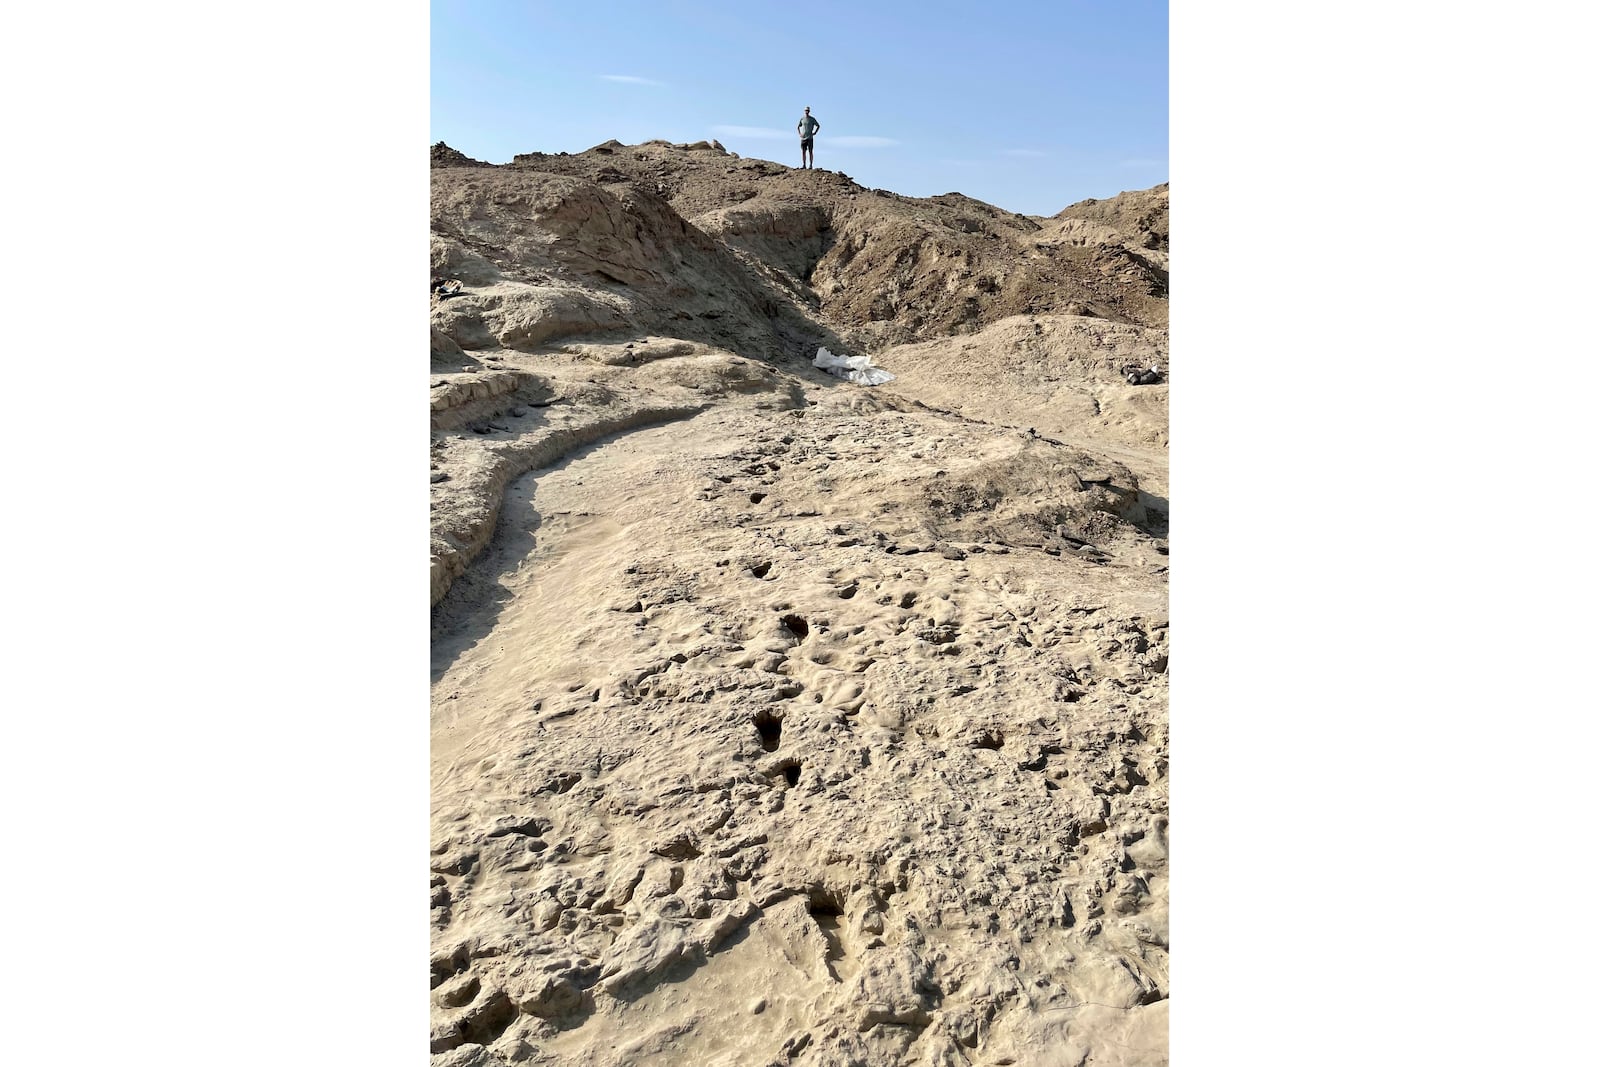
x=858 y=369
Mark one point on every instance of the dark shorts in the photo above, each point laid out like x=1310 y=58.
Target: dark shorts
x=805 y=144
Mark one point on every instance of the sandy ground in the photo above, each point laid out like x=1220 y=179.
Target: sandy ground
x=816 y=726
x=778 y=720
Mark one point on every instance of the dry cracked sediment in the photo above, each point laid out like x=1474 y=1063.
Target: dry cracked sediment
x=778 y=720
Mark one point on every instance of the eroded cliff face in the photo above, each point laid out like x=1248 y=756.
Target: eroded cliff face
x=777 y=719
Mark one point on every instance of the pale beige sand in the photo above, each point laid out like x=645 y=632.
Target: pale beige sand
x=779 y=720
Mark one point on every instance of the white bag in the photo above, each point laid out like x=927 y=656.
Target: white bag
x=858 y=369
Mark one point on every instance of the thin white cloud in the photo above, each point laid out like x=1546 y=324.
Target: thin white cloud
x=853 y=141
x=758 y=132
x=631 y=79
x=1029 y=153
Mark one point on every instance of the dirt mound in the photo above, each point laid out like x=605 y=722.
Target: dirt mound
x=876 y=267
x=546 y=257
x=1128 y=234
x=442 y=155
x=1057 y=375
x=1135 y=218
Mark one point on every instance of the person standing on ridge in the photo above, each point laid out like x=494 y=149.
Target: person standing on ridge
x=807 y=127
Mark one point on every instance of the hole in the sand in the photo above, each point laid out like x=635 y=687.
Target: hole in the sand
x=908 y=601
x=796 y=626
x=791 y=774
x=760 y=570
x=756 y=498
x=824 y=906
x=770 y=727
x=828 y=915
x=530 y=828
x=848 y=591
x=488 y=1023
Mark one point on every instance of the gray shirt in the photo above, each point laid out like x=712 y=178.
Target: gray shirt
x=807 y=126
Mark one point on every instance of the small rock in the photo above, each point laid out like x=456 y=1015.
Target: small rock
x=555 y=996
x=458 y=991
x=680 y=846
x=547 y=915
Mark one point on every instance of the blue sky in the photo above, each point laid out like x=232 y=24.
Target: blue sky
x=1029 y=106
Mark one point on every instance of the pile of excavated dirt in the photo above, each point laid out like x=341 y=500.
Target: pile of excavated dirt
x=878 y=267
x=780 y=720
x=442 y=155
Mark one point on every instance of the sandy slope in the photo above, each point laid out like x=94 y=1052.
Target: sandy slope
x=778 y=720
